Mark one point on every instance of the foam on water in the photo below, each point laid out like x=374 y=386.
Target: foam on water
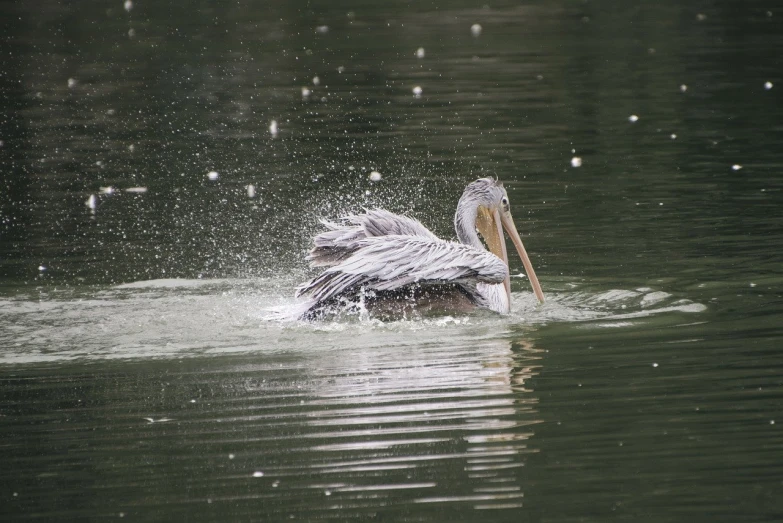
x=174 y=318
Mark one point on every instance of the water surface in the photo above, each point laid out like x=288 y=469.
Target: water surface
x=144 y=373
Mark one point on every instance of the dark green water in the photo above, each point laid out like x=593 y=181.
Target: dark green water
x=141 y=376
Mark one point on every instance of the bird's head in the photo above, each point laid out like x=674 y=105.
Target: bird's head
x=493 y=215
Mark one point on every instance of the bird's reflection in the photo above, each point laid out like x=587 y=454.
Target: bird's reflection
x=434 y=424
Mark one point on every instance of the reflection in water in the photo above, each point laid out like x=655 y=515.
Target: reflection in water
x=356 y=430
x=441 y=424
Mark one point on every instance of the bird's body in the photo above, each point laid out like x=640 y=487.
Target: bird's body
x=390 y=263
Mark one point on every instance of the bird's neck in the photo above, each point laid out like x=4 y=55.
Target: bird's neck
x=465 y=223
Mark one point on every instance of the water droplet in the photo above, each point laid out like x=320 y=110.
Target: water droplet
x=736 y=167
x=138 y=190
x=767 y=85
x=72 y=83
x=701 y=17
x=316 y=80
x=273 y=128
x=322 y=29
x=633 y=118
x=417 y=91
x=655 y=364
x=673 y=136
x=128 y=5
x=230 y=456
x=375 y=176
x=251 y=191
x=683 y=88
x=576 y=161
x=305 y=92
x=327 y=492
x=92 y=202
x=420 y=52
x=258 y=474
x=476 y=29
x=213 y=175
x=41 y=268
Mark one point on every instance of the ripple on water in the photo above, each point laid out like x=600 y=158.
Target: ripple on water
x=167 y=318
x=433 y=412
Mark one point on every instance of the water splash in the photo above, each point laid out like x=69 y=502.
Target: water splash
x=179 y=317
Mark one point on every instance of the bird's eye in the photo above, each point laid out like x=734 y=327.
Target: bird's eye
x=504 y=202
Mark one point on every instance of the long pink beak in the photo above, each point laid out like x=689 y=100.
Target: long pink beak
x=511 y=230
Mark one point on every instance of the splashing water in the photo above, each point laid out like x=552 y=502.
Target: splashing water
x=175 y=318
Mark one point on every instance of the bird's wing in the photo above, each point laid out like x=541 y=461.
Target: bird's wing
x=378 y=222
x=390 y=262
x=342 y=237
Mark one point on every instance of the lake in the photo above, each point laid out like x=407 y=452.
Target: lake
x=163 y=169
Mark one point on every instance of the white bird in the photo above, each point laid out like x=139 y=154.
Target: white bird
x=393 y=263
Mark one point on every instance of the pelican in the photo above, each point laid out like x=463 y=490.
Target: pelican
x=389 y=262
